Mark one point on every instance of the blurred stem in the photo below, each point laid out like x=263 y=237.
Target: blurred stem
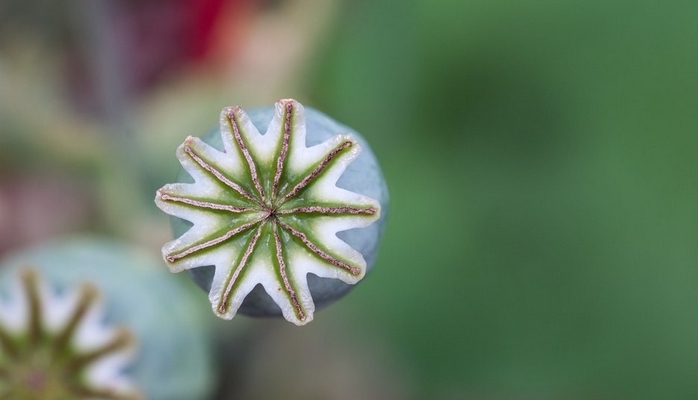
x=110 y=72
x=106 y=61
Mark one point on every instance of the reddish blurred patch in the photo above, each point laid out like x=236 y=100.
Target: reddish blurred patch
x=139 y=43
x=35 y=207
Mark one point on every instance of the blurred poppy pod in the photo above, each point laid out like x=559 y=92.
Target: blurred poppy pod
x=88 y=318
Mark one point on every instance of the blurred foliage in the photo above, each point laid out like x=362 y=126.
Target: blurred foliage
x=542 y=162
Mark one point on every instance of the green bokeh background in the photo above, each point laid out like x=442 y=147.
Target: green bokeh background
x=542 y=158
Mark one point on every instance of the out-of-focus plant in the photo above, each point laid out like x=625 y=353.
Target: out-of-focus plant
x=143 y=337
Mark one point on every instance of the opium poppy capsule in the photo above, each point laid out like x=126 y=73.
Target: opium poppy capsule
x=277 y=212
x=97 y=318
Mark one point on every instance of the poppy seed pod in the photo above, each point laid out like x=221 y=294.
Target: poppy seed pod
x=96 y=318
x=277 y=212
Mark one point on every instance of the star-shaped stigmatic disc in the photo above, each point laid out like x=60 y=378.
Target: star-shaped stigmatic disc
x=57 y=347
x=266 y=211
